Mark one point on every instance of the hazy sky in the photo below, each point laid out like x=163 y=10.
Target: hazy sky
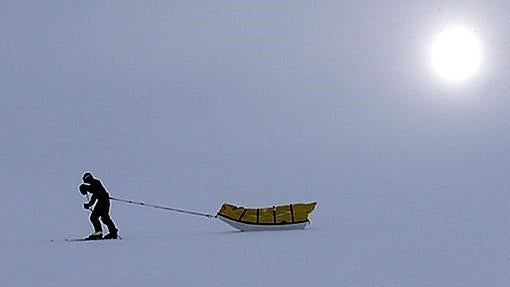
x=194 y=103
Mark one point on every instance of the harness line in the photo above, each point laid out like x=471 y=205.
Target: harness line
x=140 y=203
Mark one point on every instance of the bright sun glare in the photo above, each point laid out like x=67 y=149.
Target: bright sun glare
x=456 y=54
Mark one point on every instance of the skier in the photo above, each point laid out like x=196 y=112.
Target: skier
x=101 y=199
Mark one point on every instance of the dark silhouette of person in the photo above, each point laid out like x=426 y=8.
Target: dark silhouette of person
x=101 y=199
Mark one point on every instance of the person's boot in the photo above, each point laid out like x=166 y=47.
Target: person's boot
x=95 y=236
x=112 y=235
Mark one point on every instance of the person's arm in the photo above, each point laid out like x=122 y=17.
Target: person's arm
x=93 y=200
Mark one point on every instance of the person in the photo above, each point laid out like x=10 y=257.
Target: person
x=101 y=199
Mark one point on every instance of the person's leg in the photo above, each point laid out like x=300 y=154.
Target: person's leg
x=107 y=220
x=94 y=219
x=98 y=230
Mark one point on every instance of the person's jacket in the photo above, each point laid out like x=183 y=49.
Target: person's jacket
x=99 y=193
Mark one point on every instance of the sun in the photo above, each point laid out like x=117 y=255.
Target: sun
x=456 y=54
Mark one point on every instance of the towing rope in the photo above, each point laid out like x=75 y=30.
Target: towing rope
x=140 y=203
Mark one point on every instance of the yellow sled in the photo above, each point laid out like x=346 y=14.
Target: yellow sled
x=281 y=217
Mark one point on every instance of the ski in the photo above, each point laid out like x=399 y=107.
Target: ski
x=79 y=239
x=82 y=239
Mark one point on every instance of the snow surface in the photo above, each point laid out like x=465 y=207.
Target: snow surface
x=347 y=251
